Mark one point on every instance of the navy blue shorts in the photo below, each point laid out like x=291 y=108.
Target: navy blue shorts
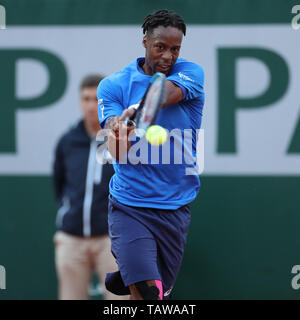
x=148 y=243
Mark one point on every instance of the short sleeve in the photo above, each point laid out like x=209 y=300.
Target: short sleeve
x=189 y=77
x=109 y=100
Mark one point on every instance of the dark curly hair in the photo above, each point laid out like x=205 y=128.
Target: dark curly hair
x=163 y=18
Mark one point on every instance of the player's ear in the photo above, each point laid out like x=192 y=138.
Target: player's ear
x=144 y=42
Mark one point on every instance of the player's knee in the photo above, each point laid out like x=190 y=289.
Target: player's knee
x=114 y=283
x=149 y=292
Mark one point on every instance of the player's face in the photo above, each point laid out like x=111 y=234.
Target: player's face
x=162 y=49
x=89 y=104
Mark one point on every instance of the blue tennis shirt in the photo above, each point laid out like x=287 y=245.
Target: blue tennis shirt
x=156 y=176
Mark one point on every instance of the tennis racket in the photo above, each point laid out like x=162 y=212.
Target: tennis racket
x=145 y=115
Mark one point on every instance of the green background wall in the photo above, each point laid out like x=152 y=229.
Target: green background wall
x=242 y=244
x=244 y=236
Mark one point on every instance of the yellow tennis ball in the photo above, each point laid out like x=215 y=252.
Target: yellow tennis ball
x=156 y=135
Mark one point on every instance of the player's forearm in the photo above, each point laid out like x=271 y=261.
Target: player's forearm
x=173 y=94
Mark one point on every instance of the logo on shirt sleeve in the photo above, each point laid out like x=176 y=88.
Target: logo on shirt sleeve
x=184 y=77
x=101 y=105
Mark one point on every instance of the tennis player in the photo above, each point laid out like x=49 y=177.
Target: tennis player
x=149 y=213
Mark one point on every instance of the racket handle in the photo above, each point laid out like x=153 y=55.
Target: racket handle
x=130 y=123
x=133 y=115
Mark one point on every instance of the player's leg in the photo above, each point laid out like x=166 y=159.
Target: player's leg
x=146 y=290
x=138 y=266
x=171 y=244
x=164 y=247
x=72 y=266
x=134 y=247
x=114 y=283
x=104 y=262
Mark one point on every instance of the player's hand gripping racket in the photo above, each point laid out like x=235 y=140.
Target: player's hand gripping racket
x=145 y=115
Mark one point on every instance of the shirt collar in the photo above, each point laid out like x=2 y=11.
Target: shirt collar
x=139 y=63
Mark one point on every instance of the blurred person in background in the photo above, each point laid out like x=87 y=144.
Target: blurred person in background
x=82 y=244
